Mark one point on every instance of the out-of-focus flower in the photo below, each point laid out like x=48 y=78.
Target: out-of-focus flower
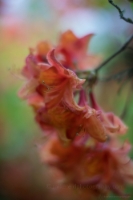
x=82 y=143
x=112 y=123
x=74 y=50
x=102 y=168
x=71 y=51
x=42 y=49
x=61 y=110
x=53 y=82
x=50 y=90
x=60 y=84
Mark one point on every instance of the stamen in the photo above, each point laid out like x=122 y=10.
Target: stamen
x=48 y=87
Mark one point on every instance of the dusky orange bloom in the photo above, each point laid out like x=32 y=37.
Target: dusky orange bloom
x=74 y=50
x=65 y=158
x=89 y=159
x=112 y=164
x=104 y=167
x=30 y=70
x=112 y=123
x=42 y=49
x=71 y=52
x=53 y=87
x=52 y=81
x=69 y=124
x=60 y=83
x=74 y=45
x=61 y=109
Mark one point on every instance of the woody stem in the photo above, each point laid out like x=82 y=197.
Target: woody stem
x=115 y=54
x=121 y=12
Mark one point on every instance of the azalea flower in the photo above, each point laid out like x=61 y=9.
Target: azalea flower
x=52 y=81
x=74 y=50
x=83 y=146
x=102 y=168
x=113 y=123
x=42 y=49
x=53 y=86
x=71 y=51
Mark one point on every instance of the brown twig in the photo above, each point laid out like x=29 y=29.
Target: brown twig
x=121 y=12
x=115 y=54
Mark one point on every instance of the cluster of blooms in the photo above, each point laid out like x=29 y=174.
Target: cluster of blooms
x=83 y=145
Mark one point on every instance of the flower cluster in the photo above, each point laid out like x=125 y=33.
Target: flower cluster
x=83 y=144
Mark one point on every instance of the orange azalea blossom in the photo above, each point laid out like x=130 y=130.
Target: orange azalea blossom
x=74 y=50
x=101 y=168
x=59 y=83
x=62 y=112
x=71 y=51
x=51 y=81
x=51 y=95
x=42 y=49
x=112 y=123
x=82 y=140
x=69 y=124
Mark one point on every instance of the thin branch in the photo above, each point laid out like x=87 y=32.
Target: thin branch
x=120 y=75
x=115 y=54
x=121 y=12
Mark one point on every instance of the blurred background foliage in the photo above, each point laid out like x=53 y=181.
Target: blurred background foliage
x=23 y=23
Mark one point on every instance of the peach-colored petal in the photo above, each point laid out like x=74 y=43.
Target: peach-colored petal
x=28 y=88
x=36 y=100
x=43 y=48
x=111 y=122
x=74 y=50
x=95 y=128
x=117 y=122
x=90 y=62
